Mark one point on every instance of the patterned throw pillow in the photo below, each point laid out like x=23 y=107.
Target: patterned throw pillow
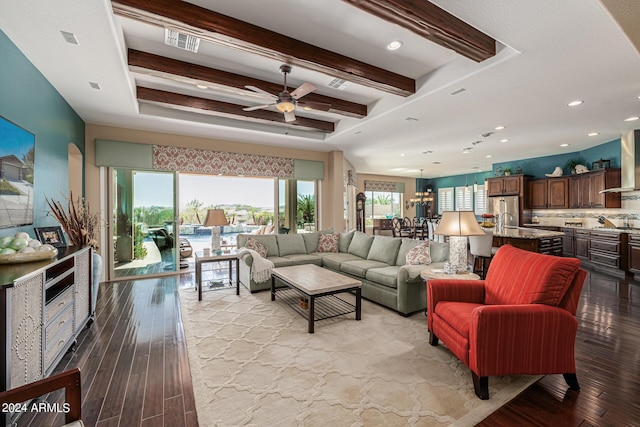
x=328 y=242
x=253 y=244
x=419 y=255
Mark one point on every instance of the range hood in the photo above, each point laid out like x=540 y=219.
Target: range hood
x=629 y=163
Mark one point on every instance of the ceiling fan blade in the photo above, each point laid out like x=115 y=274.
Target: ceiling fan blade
x=302 y=90
x=257 y=107
x=289 y=117
x=264 y=92
x=320 y=106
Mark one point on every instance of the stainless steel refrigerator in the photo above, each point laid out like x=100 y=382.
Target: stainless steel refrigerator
x=506 y=210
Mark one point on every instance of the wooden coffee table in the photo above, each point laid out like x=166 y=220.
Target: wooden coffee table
x=314 y=282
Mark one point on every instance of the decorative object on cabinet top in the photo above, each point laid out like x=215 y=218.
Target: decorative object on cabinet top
x=556 y=172
x=601 y=164
x=21 y=248
x=77 y=221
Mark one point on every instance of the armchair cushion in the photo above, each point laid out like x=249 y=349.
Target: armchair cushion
x=522 y=277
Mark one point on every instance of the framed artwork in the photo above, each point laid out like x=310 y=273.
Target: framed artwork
x=17 y=154
x=51 y=235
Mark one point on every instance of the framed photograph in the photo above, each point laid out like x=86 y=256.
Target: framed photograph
x=51 y=235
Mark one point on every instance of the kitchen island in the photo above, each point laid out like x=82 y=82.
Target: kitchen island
x=530 y=239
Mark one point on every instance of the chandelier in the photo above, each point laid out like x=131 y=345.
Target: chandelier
x=422 y=198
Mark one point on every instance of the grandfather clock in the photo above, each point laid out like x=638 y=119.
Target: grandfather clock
x=360 y=198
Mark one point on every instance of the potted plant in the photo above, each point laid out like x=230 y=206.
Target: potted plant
x=507 y=171
x=570 y=166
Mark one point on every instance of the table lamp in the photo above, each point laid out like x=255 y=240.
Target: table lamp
x=215 y=218
x=458 y=225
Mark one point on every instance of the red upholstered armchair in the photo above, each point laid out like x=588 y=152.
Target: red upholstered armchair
x=520 y=320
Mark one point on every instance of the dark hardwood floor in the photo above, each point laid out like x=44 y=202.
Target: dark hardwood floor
x=135 y=370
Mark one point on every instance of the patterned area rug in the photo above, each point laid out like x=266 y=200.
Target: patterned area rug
x=253 y=363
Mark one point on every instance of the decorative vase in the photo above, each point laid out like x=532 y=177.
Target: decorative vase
x=96 y=276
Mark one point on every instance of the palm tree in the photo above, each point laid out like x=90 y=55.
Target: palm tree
x=306 y=208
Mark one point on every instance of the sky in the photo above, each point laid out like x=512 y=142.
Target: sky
x=14 y=140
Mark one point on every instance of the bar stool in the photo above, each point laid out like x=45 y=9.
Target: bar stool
x=481 y=247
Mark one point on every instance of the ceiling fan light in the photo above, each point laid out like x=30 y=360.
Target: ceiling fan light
x=285 y=106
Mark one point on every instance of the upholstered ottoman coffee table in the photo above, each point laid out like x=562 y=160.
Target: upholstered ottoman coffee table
x=317 y=286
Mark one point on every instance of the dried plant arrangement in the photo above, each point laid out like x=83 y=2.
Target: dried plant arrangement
x=77 y=221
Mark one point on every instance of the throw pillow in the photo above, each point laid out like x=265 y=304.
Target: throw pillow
x=419 y=255
x=253 y=244
x=328 y=242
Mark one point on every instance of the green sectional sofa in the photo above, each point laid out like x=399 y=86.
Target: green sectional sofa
x=377 y=261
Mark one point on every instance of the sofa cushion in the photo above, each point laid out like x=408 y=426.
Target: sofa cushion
x=280 y=261
x=333 y=261
x=311 y=241
x=419 y=254
x=254 y=245
x=384 y=249
x=517 y=276
x=387 y=276
x=290 y=244
x=268 y=240
x=407 y=244
x=298 y=259
x=328 y=242
x=360 y=244
x=439 y=251
x=345 y=241
x=359 y=268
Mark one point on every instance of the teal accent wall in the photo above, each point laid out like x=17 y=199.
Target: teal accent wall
x=30 y=101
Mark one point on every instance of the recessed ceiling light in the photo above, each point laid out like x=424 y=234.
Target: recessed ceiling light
x=465 y=151
x=499 y=127
x=402 y=154
x=631 y=119
x=437 y=163
x=593 y=134
x=202 y=86
x=94 y=85
x=564 y=145
x=427 y=152
x=411 y=119
x=488 y=156
x=504 y=140
x=455 y=92
x=358 y=132
x=574 y=103
x=394 y=45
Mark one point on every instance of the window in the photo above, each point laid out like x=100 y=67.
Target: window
x=382 y=204
x=464 y=200
x=480 y=201
x=445 y=199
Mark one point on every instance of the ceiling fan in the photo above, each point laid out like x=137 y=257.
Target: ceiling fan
x=286 y=101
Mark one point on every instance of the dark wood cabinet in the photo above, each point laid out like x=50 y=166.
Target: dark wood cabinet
x=512 y=185
x=582 y=244
x=634 y=253
x=568 y=242
x=608 y=249
x=585 y=189
x=552 y=193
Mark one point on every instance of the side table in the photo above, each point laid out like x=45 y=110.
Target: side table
x=432 y=272
x=231 y=258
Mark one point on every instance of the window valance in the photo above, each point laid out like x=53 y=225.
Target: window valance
x=387 y=186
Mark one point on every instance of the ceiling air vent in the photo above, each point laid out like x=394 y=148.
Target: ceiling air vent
x=338 y=83
x=181 y=40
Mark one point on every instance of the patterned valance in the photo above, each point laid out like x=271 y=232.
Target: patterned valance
x=220 y=162
x=386 y=186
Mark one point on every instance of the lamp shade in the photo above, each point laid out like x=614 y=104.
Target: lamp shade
x=215 y=217
x=459 y=223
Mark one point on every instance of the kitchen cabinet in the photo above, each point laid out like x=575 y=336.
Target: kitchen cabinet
x=633 y=264
x=512 y=185
x=582 y=244
x=608 y=249
x=550 y=193
x=568 y=242
x=585 y=189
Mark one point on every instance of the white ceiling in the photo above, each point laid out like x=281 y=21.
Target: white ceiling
x=550 y=53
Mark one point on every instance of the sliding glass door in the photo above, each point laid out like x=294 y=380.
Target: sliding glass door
x=143 y=223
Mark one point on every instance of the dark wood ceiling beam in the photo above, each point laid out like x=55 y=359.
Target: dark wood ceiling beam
x=224 y=30
x=186 y=102
x=155 y=65
x=433 y=23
